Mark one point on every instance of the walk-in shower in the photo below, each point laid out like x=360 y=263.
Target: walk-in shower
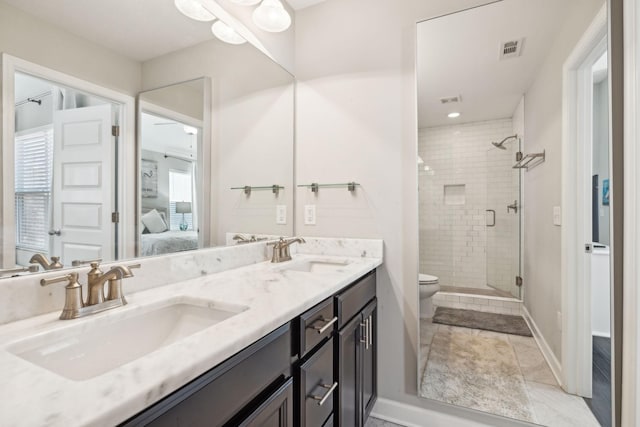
x=470 y=206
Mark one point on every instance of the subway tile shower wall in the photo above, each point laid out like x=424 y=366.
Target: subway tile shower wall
x=455 y=243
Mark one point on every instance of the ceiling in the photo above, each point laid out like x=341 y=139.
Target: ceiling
x=459 y=55
x=137 y=29
x=167 y=136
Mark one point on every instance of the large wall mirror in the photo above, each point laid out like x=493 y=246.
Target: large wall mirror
x=494 y=87
x=124 y=136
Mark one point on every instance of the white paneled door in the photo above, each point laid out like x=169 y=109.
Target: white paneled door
x=83 y=185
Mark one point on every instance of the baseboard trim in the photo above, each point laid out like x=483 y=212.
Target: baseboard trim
x=551 y=359
x=413 y=416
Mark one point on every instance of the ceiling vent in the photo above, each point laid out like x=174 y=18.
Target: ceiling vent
x=451 y=99
x=511 y=49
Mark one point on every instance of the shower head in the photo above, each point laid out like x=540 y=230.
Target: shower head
x=500 y=144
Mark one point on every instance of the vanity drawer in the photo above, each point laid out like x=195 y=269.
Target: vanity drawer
x=315 y=325
x=317 y=387
x=220 y=394
x=350 y=302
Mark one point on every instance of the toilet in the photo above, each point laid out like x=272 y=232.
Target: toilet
x=428 y=287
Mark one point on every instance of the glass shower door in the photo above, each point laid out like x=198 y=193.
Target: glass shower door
x=503 y=212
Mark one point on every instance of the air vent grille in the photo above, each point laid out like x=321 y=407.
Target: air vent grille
x=511 y=49
x=451 y=99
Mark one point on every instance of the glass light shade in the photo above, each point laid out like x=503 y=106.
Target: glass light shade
x=194 y=10
x=226 y=33
x=271 y=16
x=245 y=2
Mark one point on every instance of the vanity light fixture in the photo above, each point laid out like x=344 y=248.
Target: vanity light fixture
x=453 y=115
x=271 y=16
x=226 y=33
x=194 y=10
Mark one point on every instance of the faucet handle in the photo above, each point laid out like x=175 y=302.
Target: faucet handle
x=132 y=266
x=73 y=302
x=71 y=278
x=79 y=262
x=55 y=263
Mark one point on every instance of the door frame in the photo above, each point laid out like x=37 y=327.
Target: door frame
x=576 y=196
x=9 y=65
x=203 y=193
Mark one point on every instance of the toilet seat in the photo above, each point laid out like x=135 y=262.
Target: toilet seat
x=427 y=279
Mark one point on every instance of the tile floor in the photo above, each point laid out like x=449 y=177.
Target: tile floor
x=375 y=422
x=550 y=405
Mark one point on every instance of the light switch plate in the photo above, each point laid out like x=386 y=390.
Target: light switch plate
x=309 y=214
x=557 y=215
x=281 y=214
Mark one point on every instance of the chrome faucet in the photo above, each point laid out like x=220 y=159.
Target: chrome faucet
x=281 y=251
x=41 y=259
x=74 y=305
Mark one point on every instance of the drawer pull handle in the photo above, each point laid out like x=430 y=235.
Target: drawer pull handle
x=322 y=329
x=364 y=334
x=322 y=399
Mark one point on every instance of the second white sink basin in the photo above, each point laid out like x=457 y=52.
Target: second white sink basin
x=92 y=347
x=317 y=266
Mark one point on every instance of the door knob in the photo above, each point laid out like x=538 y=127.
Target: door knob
x=54 y=232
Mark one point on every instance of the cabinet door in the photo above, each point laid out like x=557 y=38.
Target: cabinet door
x=348 y=402
x=276 y=411
x=369 y=374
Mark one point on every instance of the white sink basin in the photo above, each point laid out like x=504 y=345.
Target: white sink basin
x=317 y=266
x=92 y=347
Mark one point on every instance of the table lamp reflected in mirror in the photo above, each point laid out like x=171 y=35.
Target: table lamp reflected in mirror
x=183 y=208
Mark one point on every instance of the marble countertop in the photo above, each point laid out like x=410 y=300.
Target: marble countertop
x=33 y=396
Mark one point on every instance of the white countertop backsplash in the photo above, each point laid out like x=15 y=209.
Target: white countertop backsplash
x=239 y=274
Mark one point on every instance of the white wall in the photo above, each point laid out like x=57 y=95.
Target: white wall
x=543 y=130
x=42 y=43
x=356 y=120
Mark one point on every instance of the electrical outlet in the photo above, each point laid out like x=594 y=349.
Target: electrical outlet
x=281 y=214
x=309 y=214
x=559 y=320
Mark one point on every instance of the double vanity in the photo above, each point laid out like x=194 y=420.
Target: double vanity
x=247 y=342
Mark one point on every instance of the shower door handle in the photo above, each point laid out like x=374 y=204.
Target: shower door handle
x=493 y=218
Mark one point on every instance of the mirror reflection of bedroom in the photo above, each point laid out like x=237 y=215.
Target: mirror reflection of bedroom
x=169 y=153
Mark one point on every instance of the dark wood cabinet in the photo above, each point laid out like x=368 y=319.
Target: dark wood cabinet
x=275 y=411
x=356 y=355
x=303 y=374
x=369 y=359
x=223 y=394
